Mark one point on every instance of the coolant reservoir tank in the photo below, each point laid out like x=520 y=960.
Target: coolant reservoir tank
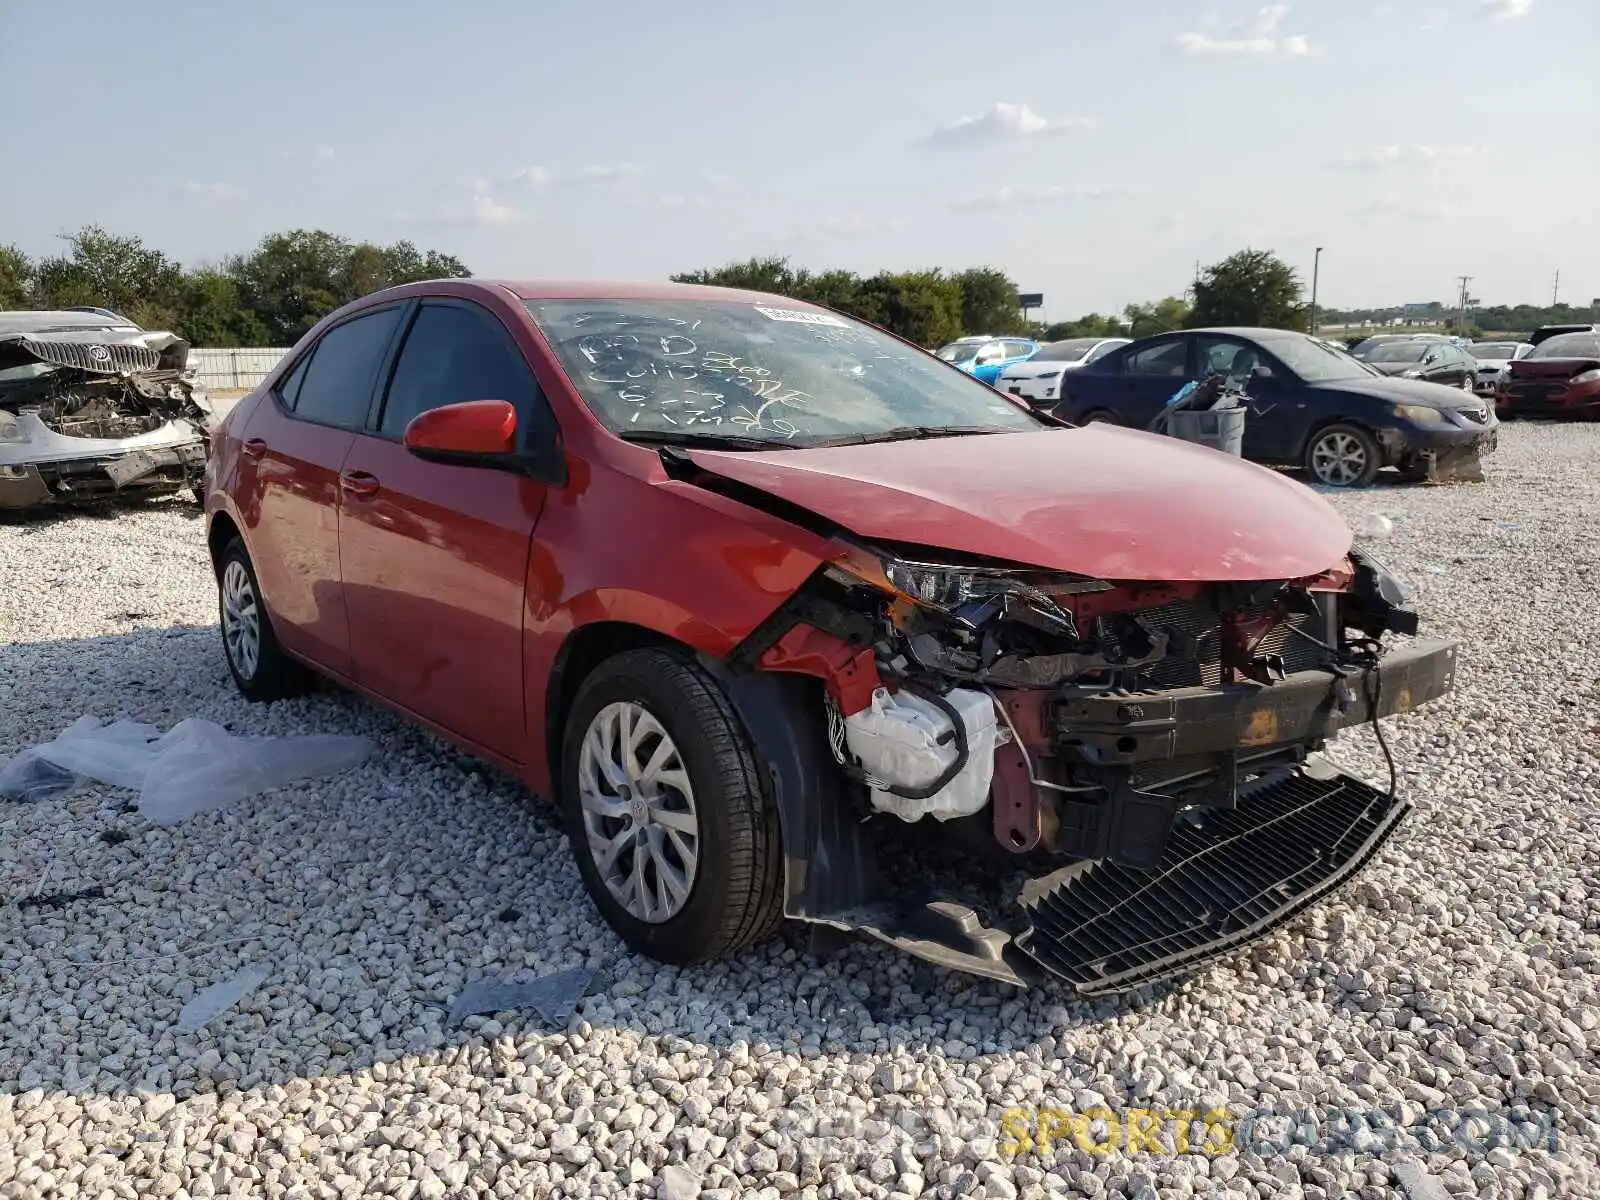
x=904 y=741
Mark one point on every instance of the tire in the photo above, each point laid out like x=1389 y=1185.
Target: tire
x=269 y=674
x=1469 y=385
x=730 y=897
x=1342 y=456
x=1099 y=416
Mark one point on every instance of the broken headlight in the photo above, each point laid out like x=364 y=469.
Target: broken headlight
x=949 y=586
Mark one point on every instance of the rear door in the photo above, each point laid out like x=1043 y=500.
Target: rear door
x=292 y=451
x=1149 y=376
x=435 y=556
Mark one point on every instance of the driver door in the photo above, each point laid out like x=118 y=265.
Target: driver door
x=434 y=556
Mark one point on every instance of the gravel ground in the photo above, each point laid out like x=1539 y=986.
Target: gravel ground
x=1458 y=975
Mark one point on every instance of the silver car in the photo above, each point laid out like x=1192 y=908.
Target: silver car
x=92 y=405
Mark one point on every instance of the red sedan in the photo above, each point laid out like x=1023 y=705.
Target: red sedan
x=744 y=583
x=1560 y=377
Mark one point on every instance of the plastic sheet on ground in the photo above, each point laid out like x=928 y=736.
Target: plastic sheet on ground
x=206 y=1006
x=194 y=767
x=554 y=997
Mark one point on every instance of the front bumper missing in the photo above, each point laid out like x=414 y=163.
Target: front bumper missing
x=152 y=468
x=1159 y=889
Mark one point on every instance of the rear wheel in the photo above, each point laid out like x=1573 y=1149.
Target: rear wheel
x=1342 y=456
x=260 y=668
x=1100 y=416
x=667 y=810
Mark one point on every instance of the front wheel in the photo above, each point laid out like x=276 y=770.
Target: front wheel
x=1469 y=385
x=667 y=810
x=1100 y=416
x=1342 y=456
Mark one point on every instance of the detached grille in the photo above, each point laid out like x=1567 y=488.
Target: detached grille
x=1222 y=884
x=109 y=359
x=1200 y=628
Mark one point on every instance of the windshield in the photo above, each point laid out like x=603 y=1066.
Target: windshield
x=1399 y=352
x=721 y=369
x=957 y=351
x=1569 y=345
x=1492 y=349
x=1070 y=350
x=1315 y=362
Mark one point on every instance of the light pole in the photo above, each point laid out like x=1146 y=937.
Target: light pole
x=1316 y=264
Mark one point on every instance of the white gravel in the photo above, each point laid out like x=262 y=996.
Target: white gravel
x=1459 y=975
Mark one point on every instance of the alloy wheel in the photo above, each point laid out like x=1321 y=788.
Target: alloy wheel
x=1338 y=459
x=241 y=619
x=639 y=815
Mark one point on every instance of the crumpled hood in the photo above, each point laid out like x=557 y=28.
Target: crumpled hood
x=1102 y=501
x=1404 y=391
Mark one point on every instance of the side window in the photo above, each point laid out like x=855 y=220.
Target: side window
x=454 y=354
x=337 y=387
x=1163 y=358
x=1016 y=349
x=289 y=389
x=1226 y=356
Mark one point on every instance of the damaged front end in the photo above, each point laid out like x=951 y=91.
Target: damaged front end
x=1135 y=763
x=90 y=412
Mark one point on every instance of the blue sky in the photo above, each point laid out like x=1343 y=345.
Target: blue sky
x=1093 y=151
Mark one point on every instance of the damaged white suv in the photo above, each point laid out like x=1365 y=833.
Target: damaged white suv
x=92 y=405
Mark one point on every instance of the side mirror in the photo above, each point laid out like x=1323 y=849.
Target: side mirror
x=476 y=433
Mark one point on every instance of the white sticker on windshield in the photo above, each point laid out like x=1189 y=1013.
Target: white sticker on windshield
x=801 y=317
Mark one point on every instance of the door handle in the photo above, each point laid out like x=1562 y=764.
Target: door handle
x=359 y=483
x=254 y=447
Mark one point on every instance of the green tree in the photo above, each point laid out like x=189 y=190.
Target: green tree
x=16 y=278
x=1163 y=316
x=292 y=280
x=1251 y=287
x=108 y=270
x=1093 y=325
x=989 y=302
x=773 y=275
x=214 y=315
x=920 y=306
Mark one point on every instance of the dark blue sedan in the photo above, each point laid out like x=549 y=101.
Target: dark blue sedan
x=1312 y=405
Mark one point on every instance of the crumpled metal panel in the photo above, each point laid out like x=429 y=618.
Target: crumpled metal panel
x=109 y=358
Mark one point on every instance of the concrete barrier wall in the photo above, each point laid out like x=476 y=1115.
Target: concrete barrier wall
x=224 y=370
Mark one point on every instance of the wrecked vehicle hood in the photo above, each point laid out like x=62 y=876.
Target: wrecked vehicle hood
x=1102 y=501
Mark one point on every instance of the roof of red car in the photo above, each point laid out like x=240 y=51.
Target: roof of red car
x=601 y=289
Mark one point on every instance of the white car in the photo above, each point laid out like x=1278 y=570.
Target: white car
x=1038 y=381
x=1494 y=359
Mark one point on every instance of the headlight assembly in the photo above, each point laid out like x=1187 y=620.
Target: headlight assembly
x=948 y=586
x=1419 y=414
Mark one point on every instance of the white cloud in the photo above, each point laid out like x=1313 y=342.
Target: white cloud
x=1394 y=156
x=1009 y=197
x=213 y=193
x=322 y=152
x=1257 y=37
x=529 y=176
x=1505 y=10
x=603 y=175
x=486 y=210
x=857 y=225
x=1003 y=123
x=1400 y=210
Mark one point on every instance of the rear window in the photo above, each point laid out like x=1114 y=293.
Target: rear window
x=1569 y=345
